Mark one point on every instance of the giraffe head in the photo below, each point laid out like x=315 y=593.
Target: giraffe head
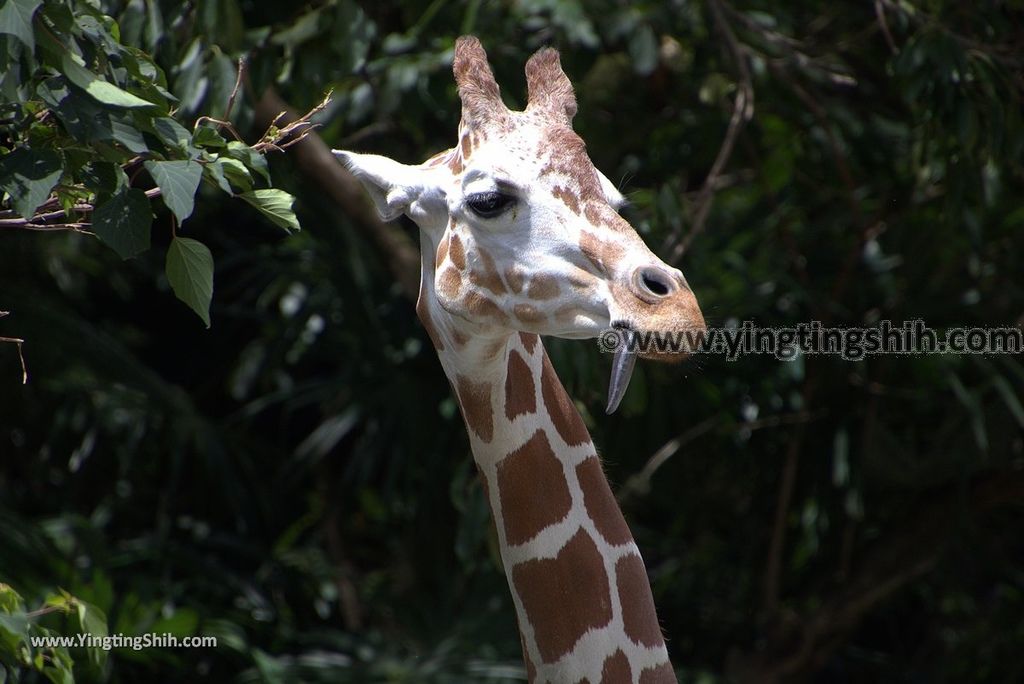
x=524 y=231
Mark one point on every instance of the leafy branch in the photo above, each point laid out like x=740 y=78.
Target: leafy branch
x=83 y=114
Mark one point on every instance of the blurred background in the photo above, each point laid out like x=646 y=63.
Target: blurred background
x=297 y=481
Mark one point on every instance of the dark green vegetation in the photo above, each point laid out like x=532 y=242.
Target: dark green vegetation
x=296 y=480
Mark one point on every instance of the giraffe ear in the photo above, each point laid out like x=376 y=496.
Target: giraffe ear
x=395 y=188
x=547 y=85
x=479 y=92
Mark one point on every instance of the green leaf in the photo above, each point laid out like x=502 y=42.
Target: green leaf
x=86 y=119
x=190 y=272
x=226 y=169
x=178 y=181
x=28 y=176
x=103 y=178
x=275 y=205
x=16 y=19
x=93 y=621
x=123 y=222
x=106 y=93
x=172 y=133
x=250 y=157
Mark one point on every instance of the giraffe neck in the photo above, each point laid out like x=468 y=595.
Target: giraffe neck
x=580 y=589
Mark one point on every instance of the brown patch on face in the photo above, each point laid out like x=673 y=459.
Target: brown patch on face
x=529 y=341
x=442 y=250
x=580 y=280
x=482 y=307
x=514 y=278
x=449 y=283
x=456 y=252
x=459 y=337
x=542 y=287
x=600 y=503
x=563 y=414
x=520 y=394
x=527 y=313
x=603 y=254
x=568 y=156
x=487 y=276
x=638 y=616
x=616 y=669
x=601 y=214
x=475 y=400
x=550 y=591
x=569 y=197
x=455 y=165
x=660 y=674
x=423 y=311
x=591 y=248
x=467 y=146
x=532 y=490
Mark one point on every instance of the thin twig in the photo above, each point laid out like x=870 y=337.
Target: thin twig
x=884 y=25
x=17 y=341
x=278 y=139
x=640 y=483
x=223 y=124
x=742 y=112
x=234 y=91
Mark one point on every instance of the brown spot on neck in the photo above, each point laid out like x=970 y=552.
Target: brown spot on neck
x=532 y=490
x=475 y=401
x=659 y=674
x=559 y=612
x=638 y=614
x=616 y=669
x=520 y=392
x=529 y=341
x=600 y=503
x=563 y=413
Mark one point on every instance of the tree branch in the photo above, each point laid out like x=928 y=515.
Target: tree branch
x=796 y=646
x=314 y=159
x=742 y=112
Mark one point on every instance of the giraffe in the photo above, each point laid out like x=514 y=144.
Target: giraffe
x=521 y=237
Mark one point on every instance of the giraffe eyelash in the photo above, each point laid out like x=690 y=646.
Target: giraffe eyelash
x=489 y=204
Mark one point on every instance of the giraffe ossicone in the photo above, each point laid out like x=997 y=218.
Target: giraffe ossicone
x=520 y=237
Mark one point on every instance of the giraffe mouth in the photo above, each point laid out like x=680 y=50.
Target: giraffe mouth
x=622 y=368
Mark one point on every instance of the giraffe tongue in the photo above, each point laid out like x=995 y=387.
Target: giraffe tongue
x=622 y=371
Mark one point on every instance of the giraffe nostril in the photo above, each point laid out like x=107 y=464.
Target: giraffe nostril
x=655 y=282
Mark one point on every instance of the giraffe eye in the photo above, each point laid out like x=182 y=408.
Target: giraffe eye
x=488 y=204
